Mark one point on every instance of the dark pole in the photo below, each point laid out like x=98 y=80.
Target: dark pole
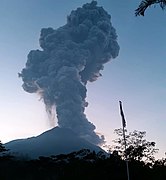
x=124 y=137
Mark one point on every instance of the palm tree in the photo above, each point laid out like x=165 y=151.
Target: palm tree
x=147 y=3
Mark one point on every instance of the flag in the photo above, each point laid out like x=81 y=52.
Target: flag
x=122 y=114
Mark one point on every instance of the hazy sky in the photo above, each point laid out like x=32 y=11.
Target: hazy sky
x=136 y=77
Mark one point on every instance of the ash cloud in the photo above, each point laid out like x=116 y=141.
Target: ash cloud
x=71 y=56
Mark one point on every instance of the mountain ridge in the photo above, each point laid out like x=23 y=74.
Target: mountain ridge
x=52 y=142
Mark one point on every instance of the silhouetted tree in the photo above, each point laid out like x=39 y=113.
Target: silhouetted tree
x=147 y=3
x=83 y=164
x=138 y=148
x=159 y=168
x=2 y=147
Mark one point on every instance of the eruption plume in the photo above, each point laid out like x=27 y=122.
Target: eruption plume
x=71 y=56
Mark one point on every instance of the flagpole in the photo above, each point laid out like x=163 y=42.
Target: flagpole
x=124 y=137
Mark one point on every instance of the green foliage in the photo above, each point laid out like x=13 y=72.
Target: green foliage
x=147 y=3
x=138 y=148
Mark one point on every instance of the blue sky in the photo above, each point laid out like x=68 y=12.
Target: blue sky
x=136 y=76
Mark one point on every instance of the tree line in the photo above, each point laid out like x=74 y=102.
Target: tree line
x=86 y=164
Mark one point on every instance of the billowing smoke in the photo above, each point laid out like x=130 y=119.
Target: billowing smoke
x=71 y=56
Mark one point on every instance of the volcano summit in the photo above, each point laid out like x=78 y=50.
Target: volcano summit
x=70 y=57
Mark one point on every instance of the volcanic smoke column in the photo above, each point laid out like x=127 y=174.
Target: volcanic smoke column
x=71 y=56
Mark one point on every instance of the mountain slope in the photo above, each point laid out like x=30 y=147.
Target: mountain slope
x=53 y=142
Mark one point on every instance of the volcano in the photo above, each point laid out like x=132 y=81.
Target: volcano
x=52 y=142
x=69 y=58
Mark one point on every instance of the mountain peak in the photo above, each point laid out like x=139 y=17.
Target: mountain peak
x=52 y=142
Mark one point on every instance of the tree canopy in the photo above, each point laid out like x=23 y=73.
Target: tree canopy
x=2 y=147
x=138 y=148
x=147 y=3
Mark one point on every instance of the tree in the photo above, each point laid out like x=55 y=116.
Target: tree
x=147 y=3
x=2 y=148
x=138 y=148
